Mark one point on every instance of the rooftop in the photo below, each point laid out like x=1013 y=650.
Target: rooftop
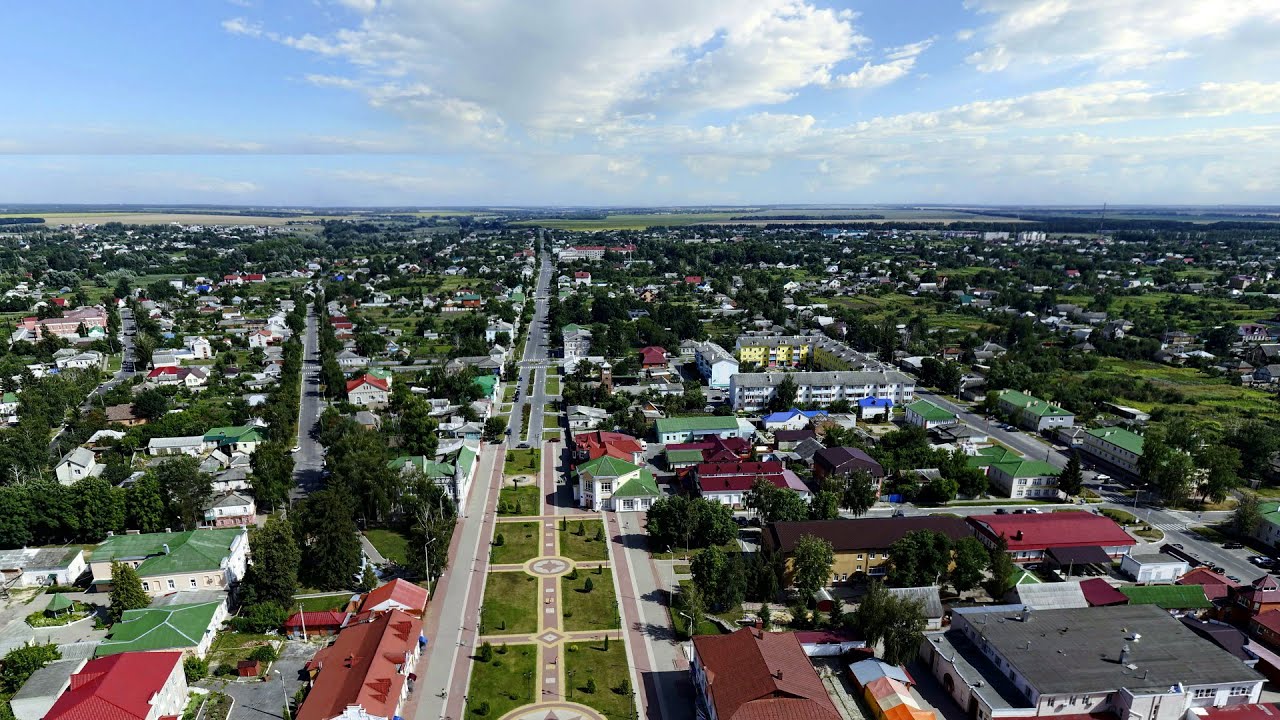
x=930 y=412
x=1119 y=437
x=702 y=422
x=175 y=627
x=364 y=667
x=757 y=675
x=1032 y=404
x=120 y=687
x=189 y=551
x=1047 y=530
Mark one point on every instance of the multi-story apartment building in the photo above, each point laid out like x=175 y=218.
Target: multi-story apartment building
x=714 y=363
x=1032 y=413
x=751 y=392
x=810 y=352
x=1115 y=446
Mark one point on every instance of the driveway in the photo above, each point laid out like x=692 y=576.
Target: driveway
x=258 y=698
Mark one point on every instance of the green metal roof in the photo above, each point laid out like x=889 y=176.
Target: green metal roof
x=1167 y=597
x=1270 y=511
x=1119 y=437
x=174 y=627
x=487 y=383
x=235 y=434
x=10 y=397
x=190 y=551
x=1023 y=577
x=684 y=456
x=380 y=373
x=1031 y=404
x=428 y=467
x=606 y=466
x=992 y=455
x=58 y=603
x=466 y=458
x=641 y=486
x=701 y=422
x=929 y=411
x=1026 y=468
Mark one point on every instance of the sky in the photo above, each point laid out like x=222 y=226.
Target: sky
x=641 y=102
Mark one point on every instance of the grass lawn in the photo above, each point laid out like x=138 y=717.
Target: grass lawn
x=506 y=682
x=522 y=461
x=551 y=434
x=583 y=547
x=550 y=420
x=553 y=385
x=510 y=603
x=230 y=647
x=509 y=393
x=393 y=545
x=608 y=668
x=1152 y=534
x=322 y=603
x=528 y=496
x=521 y=542
x=1121 y=516
x=595 y=610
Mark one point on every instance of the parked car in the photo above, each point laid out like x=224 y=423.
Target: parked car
x=1001 y=511
x=1232 y=546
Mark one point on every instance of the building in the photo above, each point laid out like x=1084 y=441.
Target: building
x=583 y=417
x=1032 y=413
x=589 y=446
x=77 y=465
x=455 y=476
x=39 y=693
x=577 y=345
x=315 y=623
x=188 y=628
x=1031 y=536
x=843 y=462
x=925 y=414
x=608 y=483
x=653 y=357
x=728 y=483
x=1153 y=567
x=37 y=567
x=693 y=429
x=368 y=391
x=1268 y=530
x=716 y=365
x=129 y=686
x=1132 y=662
x=123 y=415
x=793 y=419
x=172 y=446
x=399 y=595
x=66 y=326
x=811 y=352
x=367 y=672
x=860 y=547
x=1114 y=446
x=752 y=675
x=175 y=561
x=1023 y=478
x=230 y=509
x=752 y=392
x=873 y=407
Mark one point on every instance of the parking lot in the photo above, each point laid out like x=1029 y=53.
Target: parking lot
x=264 y=697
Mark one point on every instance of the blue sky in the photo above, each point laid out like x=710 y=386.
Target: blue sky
x=632 y=102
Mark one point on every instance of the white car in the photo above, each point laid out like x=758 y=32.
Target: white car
x=295 y=448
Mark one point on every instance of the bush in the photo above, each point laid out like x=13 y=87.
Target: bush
x=588 y=586
x=581 y=529
x=590 y=689
x=486 y=652
x=502 y=649
x=264 y=654
x=499 y=540
x=482 y=709
x=260 y=618
x=573 y=573
x=623 y=687
x=600 y=534
x=224 y=670
x=195 y=669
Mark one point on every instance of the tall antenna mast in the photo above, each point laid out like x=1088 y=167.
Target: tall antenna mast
x=1102 y=221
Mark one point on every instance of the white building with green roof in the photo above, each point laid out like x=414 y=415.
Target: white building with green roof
x=928 y=416
x=1023 y=478
x=235 y=439
x=693 y=429
x=1032 y=413
x=170 y=562
x=608 y=483
x=1268 y=531
x=1114 y=446
x=188 y=628
x=455 y=472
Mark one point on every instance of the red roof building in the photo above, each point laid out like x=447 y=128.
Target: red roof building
x=592 y=445
x=653 y=357
x=693 y=279
x=367 y=380
x=1216 y=585
x=1099 y=593
x=396 y=595
x=128 y=686
x=754 y=675
x=717 y=449
x=316 y=623
x=368 y=666
x=1030 y=536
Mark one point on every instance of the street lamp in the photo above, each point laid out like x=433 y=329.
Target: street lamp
x=288 y=715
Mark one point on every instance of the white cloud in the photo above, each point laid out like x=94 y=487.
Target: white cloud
x=1115 y=35
x=360 y=6
x=721 y=168
x=241 y=26
x=901 y=60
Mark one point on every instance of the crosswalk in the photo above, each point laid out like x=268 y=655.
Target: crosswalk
x=1170 y=527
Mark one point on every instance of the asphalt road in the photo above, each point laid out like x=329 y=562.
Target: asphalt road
x=531 y=373
x=308 y=462
x=1022 y=442
x=128 y=369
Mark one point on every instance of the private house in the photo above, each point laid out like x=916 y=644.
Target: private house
x=9 y=408
x=37 y=567
x=350 y=360
x=1253 y=333
x=874 y=407
x=497 y=328
x=366 y=673
x=693 y=429
x=1023 y=478
x=608 y=483
x=188 y=628
x=1153 y=567
x=843 y=462
x=368 y=391
x=399 y=595
x=1032 y=413
x=123 y=415
x=582 y=417
x=167 y=447
x=1003 y=662
x=315 y=623
x=230 y=509
x=860 y=547
x=191 y=377
x=76 y=465
x=1114 y=446
x=236 y=439
x=753 y=675
x=1030 y=537
x=455 y=473
x=925 y=414
x=653 y=358
x=128 y=686
x=589 y=446
x=577 y=345
x=792 y=419
x=175 y=561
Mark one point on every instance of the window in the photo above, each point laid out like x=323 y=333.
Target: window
x=194 y=584
x=628 y=504
x=172 y=586
x=1239 y=690
x=1204 y=693
x=606 y=487
x=146 y=586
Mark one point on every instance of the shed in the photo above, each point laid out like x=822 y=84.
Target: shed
x=1050 y=596
x=248 y=668
x=38 y=694
x=1100 y=593
x=1154 y=568
x=930 y=601
x=1078 y=557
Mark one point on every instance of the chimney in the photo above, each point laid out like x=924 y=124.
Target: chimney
x=778 y=674
x=166 y=548
x=1017 y=535
x=1124 y=654
x=1026 y=613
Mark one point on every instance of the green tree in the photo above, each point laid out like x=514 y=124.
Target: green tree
x=21 y=663
x=690 y=604
x=418 y=429
x=784 y=397
x=1247 y=516
x=859 y=493
x=1221 y=465
x=825 y=505
x=144 y=505
x=494 y=429
x=971 y=562
x=919 y=558
x=330 y=545
x=150 y=404
x=894 y=623
x=368 y=579
x=126 y=591
x=272 y=478
x=942 y=489
x=101 y=508
x=1002 y=568
x=185 y=487
x=811 y=564
x=1165 y=468
x=273 y=576
x=719 y=576
x=1071 y=479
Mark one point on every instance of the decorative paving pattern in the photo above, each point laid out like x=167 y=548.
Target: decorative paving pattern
x=553 y=711
x=550 y=637
x=548 y=566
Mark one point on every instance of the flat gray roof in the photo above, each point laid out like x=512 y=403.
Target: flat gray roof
x=49 y=681
x=1077 y=650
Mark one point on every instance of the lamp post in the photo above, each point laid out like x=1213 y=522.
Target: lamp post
x=288 y=715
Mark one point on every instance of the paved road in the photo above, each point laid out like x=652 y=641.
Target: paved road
x=126 y=372
x=1022 y=442
x=308 y=462
x=258 y=698
x=531 y=378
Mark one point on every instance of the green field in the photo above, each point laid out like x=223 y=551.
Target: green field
x=608 y=668
x=1205 y=395
x=522 y=461
x=595 y=610
x=629 y=222
x=510 y=603
x=528 y=495
x=585 y=547
x=505 y=683
x=521 y=542
x=394 y=546
x=553 y=385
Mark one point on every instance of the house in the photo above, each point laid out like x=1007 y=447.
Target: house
x=929 y=599
x=752 y=675
x=368 y=391
x=171 y=561
x=39 y=693
x=582 y=417
x=1006 y=662
x=589 y=446
x=582 y=277
x=729 y=482
x=577 y=345
x=9 y=408
x=77 y=465
x=173 y=376
x=128 y=686
x=399 y=595
x=792 y=419
x=365 y=673
x=235 y=439
x=1216 y=586
x=872 y=407
x=1114 y=446
x=497 y=328
x=1153 y=567
x=315 y=623
x=1031 y=536
x=1268 y=530
x=188 y=628
x=692 y=429
x=653 y=357
x=230 y=509
x=1023 y=478
x=349 y=359
x=123 y=415
x=1253 y=333
x=37 y=567
x=1032 y=413
x=608 y=483
x=925 y=414
x=455 y=476
x=860 y=547
x=166 y=447
x=843 y=462
x=752 y=392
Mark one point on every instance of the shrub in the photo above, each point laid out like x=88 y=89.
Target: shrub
x=573 y=573
x=264 y=654
x=623 y=687
x=195 y=668
x=581 y=529
x=486 y=652
x=600 y=534
x=224 y=670
x=590 y=689
x=588 y=586
x=260 y=618
x=502 y=649
x=482 y=709
x=499 y=540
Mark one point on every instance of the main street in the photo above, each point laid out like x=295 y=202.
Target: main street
x=128 y=367
x=308 y=461
x=531 y=378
